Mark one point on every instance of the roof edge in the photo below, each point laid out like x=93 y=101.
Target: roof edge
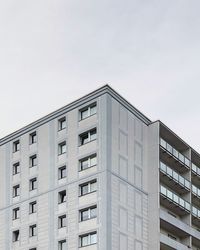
x=80 y=101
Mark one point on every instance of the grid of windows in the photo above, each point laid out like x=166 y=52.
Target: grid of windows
x=88 y=136
x=16 y=168
x=88 y=187
x=88 y=162
x=88 y=111
x=88 y=239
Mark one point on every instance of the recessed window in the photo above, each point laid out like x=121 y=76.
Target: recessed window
x=16 y=168
x=33 y=138
x=88 y=213
x=88 y=162
x=62 y=221
x=16 y=191
x=33 y=161
x=33 y=184
x=15 y=235
x=16 y=213
x=16 y=146
x=62 y=172
x=33 y=248
x=88 y=111
x=88 y=136
x=62 y=196
x=62 y=148
x=88 y=239
x=88 y=187
x=61 y=123
x=32 y=207
x=33 y=230
x=62 y=245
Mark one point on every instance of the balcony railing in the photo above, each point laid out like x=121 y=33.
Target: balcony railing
x=174 y=175
x=175 y=153
x=196 y=212
x=175 y=198
x=196 y=191
x=195 y=169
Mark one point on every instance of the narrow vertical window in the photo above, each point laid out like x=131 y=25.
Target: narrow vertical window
x=16 y=146
x=61 y=123
x=33 y=138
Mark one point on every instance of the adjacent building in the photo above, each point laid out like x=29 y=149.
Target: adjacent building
x=98 y=175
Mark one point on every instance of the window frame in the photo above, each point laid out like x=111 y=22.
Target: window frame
x=33 y=161
x=33 y=138
x=60 y=172
x=62 y=221
x=33 y=207
x=59 y=197
x=87 y=209
x=16 y=213
x=87 y=134
x=16 y=166
x=87 y=109
x=33 y=184
x=16 y=190
x=60 y=244
x=62 y=121
x=33 y=230
x=88 y=159
x=60 y=148
x=88 y=235
x=89 y=184
x=16 y=146
x=15 y=235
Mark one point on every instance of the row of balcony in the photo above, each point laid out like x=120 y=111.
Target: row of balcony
x=175 y=153
x=179 y=201
x=195 y=169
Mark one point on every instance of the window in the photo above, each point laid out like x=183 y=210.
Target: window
x=88 y=136
x=33 y=138
x=88 y=162
x=16 y=168
x=62 y=148
x=62 y=221
x=33 y=161
x=33 y=184
x=32 y=230
x=88 y=213
x=88 y=111
x=62 y=172
x=61 y=123
x=62 y=245
x=88 y=187
x=16 y=213
x=62 y=196
x=33 y=248
x=88 y=239
x=16 y=146
x=32 y=207
x=15 y=235
x=16 y=191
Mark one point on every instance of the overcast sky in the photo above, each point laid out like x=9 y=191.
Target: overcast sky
x=54 y=51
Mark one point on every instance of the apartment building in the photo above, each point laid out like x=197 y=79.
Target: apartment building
x=98 y=175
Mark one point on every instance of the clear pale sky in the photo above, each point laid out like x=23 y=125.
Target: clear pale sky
x=54 y=51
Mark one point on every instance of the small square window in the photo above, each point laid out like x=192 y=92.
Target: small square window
x=88 y=162
x=16 y=213
x=62 y=172
x=16 y=146
x=62 y=221
x=33 y=230
x=62 y=196
x=62 y=148
x=33 y=138
x=88 y=213
x=88 y=187
x=62 y=245
x=33 y=161
x=15 y=235
x=16 y=168
x=32 y=207
x=61 y=123
x=33 y=184
x=88 y=239
x=88 y=136
x=88 y=111
x=16 y=191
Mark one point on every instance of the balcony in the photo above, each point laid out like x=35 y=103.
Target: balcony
x=173 y=179
x=195 y=195
x=173 y=202
x=170 y=154
x=195 y=174
x=167 y=243
x=196 y=217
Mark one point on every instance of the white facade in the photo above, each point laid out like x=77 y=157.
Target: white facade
x=87 y=177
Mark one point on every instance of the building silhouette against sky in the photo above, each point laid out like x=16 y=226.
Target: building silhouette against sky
x=98 y=175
